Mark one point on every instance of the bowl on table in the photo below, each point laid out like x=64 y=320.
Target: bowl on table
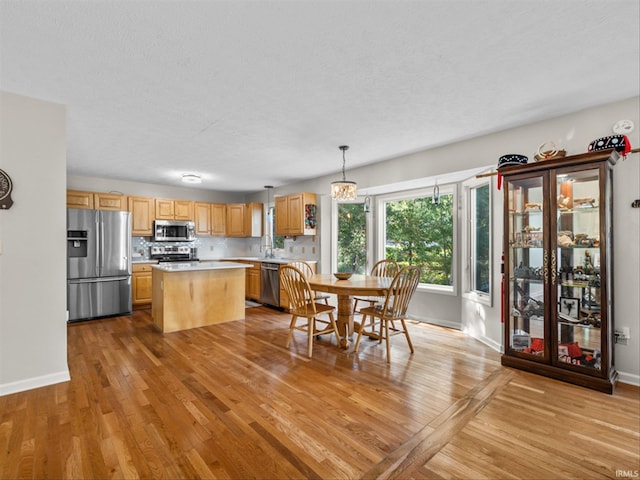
x=343 y=275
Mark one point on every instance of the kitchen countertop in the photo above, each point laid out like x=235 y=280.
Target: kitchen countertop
x=281 y=261
x=198 y=266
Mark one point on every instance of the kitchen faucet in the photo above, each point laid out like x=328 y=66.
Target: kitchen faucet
x=267 y=243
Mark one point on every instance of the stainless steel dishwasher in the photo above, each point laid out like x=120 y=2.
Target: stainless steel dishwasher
x=270 y=284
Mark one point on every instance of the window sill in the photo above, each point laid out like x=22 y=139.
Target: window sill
x=437 y=289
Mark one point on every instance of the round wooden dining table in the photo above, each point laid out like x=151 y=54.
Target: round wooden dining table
x=357 y=285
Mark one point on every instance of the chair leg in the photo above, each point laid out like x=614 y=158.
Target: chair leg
x=291 y=329
x=311 y=325
x=386 y=337
x=355 y=306
x=360 y=330
x=332 y=320
x=406 y=334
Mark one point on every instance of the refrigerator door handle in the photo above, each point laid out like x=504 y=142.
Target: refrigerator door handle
x=101 y=226
x=99 y=240
x=98 y=280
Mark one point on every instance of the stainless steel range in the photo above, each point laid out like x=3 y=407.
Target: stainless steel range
x=173 y=253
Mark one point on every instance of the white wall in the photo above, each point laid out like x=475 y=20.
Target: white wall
x=572 y=132
x=33 y=328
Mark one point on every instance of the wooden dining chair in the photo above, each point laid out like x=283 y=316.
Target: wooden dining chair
x=383 y=268
x=306 y=269
x=394 y=308
x=302 y=305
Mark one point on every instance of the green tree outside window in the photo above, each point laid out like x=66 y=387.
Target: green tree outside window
x=419 y=232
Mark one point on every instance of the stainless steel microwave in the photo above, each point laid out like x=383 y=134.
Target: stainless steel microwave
x=174 y=231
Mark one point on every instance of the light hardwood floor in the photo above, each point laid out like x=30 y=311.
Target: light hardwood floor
x=229 y=401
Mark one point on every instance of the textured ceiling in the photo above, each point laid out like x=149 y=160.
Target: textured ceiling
x=263 y=92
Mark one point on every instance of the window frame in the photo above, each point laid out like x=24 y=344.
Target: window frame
x=447 y=189
x=470 y=292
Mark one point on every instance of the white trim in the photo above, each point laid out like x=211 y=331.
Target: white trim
x=498 y=347
x=34 y=382
x=629 y=378
x=434 y=321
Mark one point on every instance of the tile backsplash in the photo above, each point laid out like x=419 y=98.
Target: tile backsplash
x=207 y=247
x=223 y=247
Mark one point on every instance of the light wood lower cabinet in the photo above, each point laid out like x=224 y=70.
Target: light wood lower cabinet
x=253 y=281
x=141 y=285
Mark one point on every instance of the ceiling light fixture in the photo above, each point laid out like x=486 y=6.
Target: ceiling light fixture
x=345 y=189
x=191 y=178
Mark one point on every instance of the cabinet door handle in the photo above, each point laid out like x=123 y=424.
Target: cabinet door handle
x=545 y=266
x=553 y=267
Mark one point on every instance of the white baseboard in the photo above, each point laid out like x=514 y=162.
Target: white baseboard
x=629 y=378
x=435 y=321
x=35 y=382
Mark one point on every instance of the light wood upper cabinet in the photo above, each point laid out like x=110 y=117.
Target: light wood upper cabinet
x=183 y=210
x=96 y=200
x=235 y=219
x=164 y=209
x=143 y=212
x=167 y=209
x=78 y=199
x=253 y=220
x=110 y=201
x=202 y=218
x=296 y=214
x=244 y=220
x=218 y=219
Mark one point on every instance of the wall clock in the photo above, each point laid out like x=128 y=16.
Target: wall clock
x=6 y=186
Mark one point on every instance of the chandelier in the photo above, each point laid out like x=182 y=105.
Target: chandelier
x=345 y=189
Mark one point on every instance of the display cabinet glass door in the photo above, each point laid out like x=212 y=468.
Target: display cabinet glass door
x=578 y=290
x=528 y=269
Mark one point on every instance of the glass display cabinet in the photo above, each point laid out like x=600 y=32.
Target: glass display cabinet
x=558 y=277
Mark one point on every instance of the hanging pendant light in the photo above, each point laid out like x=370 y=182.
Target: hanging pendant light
x=345 y=189
x=435 y=199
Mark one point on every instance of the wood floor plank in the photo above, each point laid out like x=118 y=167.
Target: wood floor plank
x=229 y=401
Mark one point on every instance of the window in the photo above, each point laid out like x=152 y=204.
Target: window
x=478 y=239
x=352 y=239
x=420 y=230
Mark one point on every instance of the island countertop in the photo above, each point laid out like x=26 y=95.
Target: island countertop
x=198 y=266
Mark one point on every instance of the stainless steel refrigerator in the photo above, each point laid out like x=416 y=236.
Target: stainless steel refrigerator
x=98 y=263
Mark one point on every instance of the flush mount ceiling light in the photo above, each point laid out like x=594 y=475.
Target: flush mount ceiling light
x=345 y=189
x=191 y=178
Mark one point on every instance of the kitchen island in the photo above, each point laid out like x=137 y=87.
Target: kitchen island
x=190 y=295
